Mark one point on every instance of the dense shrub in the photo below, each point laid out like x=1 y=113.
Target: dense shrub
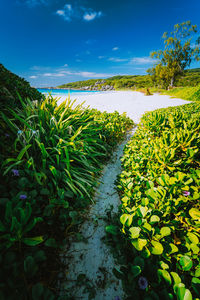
x=158 y=247
x=50 y=161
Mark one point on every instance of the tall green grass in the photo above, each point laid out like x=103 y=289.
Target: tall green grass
x=50 y=162
x=187 y=93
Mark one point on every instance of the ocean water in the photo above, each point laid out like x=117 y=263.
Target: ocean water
x=61 y=92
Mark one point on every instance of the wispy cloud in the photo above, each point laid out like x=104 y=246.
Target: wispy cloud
x=69 y=12
x=86 y=74
x=91 y=15
x=53 y=75
x=142 y=60
x=101 y=57
x=33 y=77
x=115 y=48
x=117 y=59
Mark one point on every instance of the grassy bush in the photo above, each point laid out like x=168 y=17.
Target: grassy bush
x=50 y=161
x=187 y=93
x=158 y=247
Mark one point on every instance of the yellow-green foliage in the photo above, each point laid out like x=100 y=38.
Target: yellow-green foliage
x=187 y=93
x=160 y=212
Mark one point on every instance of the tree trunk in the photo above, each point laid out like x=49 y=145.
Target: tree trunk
x=172 y=82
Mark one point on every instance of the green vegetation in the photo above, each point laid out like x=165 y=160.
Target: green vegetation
x=50 y=162
x=156 y=236
x=180 y=51
x=187 y=93
x=11 y=85
x=188 y=78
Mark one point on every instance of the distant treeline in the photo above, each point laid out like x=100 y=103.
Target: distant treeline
x=189 y=78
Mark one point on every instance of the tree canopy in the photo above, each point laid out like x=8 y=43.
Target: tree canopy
x=181 y=48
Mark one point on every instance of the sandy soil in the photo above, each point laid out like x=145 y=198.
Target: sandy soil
x=133 y=103
x=93 y=259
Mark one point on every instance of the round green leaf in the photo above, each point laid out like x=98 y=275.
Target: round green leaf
x=157 y=248
x=193 y=238
x=185 y=263
x=165 y=231
x=135 y=232
x=154 y=219
x=163 y=274
x=173 y=248
x=123 y=218
x=194 y=213
x=139 y=244
x=175 y=277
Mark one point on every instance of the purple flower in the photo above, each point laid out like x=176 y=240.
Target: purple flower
x=7 y=135
x=15 y=172
x=186 y=193
x=117 y=298
x=22 y=197
x=143 y=283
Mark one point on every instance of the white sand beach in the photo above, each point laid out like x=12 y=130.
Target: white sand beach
x=133 y=103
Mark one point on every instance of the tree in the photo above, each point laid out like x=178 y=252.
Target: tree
x=180 y=50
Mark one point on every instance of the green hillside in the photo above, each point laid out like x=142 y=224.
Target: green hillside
x=11 y=85
x=189 y=78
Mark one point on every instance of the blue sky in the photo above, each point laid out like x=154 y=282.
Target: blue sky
x=50 y=42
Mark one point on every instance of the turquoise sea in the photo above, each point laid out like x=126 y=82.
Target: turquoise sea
x=61 y=92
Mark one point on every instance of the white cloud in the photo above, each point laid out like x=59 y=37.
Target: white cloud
x=91 y=15
x=33 y=77
x=101 y=56
x=67 y=12
x=142 y=60
x=65 y=65
x=115 y=48
x=53 y=74
x=86 y=74
x=117 y=59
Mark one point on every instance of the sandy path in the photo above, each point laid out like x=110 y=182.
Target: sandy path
x=93 y=259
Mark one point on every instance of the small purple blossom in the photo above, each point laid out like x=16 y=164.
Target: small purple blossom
x=15 y=172
x=186 y=193
x=143 y=283
x=22 y=197
x=7 y=135
x=34 y=131
x=117 y=298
